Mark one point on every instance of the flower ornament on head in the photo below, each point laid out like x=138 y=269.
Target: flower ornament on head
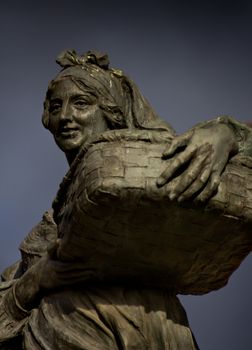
x=70 y=58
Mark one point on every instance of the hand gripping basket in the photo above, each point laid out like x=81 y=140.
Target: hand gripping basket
x=120 y=225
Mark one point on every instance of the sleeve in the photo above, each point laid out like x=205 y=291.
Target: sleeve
x=12 y=316
x=242 y=132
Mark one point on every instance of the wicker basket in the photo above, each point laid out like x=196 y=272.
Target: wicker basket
x=124 y=228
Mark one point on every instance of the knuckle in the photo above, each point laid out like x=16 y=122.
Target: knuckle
x=202 y=179
x=194 y=171
x=179 y=160
x=189 y=178
x=205 y=175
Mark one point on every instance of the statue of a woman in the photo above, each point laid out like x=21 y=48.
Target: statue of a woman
x=47 y=303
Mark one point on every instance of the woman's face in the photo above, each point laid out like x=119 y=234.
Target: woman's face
x=74 y=116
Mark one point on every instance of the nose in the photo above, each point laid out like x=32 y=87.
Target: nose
x=66 y=112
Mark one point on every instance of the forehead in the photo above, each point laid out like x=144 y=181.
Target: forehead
x=64 y=88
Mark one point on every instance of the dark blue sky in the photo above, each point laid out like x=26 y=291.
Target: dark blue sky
x=192 y=62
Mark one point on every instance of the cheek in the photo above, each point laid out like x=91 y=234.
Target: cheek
x=92 y=120
x=53 y=124
x=84 y=119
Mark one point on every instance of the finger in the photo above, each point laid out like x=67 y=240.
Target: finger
x=178 y=142
x=210 y=188
x=174 y=164
x=214 y=181
x=182 y=182
x=199 y=182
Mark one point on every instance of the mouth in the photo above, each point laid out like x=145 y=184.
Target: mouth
x=68 y=131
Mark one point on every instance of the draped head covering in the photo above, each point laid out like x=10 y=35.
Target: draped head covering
x=117 y=95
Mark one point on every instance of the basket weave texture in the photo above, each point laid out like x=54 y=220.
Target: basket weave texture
x=126 y=230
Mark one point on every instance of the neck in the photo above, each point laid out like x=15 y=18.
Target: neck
x=70 y=156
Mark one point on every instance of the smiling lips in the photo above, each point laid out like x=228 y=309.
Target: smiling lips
x=68 y=131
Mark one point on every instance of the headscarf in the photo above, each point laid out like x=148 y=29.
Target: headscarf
x=118 y=96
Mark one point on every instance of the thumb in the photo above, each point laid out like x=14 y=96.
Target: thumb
x=177 y=142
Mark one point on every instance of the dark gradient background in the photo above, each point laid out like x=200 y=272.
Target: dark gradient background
x=192 y=62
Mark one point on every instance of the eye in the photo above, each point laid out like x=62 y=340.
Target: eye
x=81 y=102
x=55 y=106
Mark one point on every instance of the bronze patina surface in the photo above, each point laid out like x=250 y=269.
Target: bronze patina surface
x=142 y=215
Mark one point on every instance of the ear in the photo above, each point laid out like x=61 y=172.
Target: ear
x=45 y=115
x=113 y=116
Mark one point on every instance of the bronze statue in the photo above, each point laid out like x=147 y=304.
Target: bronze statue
x=93 y=273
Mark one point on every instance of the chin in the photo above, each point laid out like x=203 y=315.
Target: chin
x=68 y=146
